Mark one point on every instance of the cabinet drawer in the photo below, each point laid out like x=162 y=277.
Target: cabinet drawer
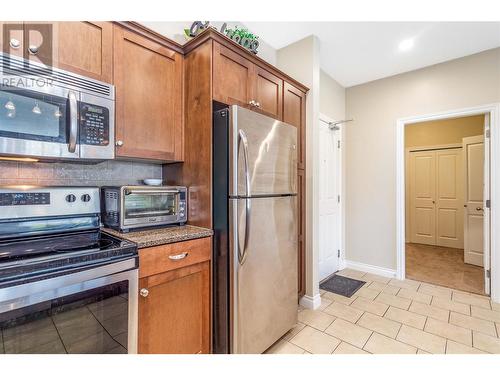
x=158 y=259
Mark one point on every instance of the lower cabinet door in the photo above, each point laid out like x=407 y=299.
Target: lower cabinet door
x=174 y=311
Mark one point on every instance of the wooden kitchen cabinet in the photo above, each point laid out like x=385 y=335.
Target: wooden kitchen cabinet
x=239 y=81
x=267 y=92
x=12 y=38
x=149 y=107
x=83 y=48
x=301 y=251
x=174 y=301
x=294 y=113
x=232 y=77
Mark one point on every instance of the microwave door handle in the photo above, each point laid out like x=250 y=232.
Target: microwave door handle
x=73 y=121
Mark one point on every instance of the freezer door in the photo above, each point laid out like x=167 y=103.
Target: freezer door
x=264 y=272
x=263 y=155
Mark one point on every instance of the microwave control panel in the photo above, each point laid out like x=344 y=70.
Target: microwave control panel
x=94 y=125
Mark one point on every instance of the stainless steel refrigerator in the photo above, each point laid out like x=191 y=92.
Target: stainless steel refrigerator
x=255 y=224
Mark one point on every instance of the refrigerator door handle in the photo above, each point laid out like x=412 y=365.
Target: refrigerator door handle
x=248 y=204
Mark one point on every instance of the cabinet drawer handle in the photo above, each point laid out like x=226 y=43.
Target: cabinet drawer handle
x=144 y=292
x=178 y=256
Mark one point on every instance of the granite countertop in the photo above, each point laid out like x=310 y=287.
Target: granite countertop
x=161 y=236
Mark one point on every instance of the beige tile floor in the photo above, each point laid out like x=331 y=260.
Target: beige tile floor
x=389 y=316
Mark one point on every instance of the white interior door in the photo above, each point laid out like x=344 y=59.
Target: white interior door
x=436 y=197
x=449 y=198
x=473 y=148
x=329 y=205
x=423 y=197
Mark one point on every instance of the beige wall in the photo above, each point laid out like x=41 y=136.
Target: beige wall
x=301 y=61
x=371 y=142
x=443 y=132
x=331 y=97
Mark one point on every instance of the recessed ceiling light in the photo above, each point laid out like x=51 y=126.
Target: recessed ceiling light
x=406 y=45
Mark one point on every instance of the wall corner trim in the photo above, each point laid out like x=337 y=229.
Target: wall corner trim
x=376 y=270
x=311 y=303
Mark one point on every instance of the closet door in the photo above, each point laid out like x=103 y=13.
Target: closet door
x=449 y=198
x=423 y=197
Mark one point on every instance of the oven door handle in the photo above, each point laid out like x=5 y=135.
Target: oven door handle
x=149 y=192
x=73 y=121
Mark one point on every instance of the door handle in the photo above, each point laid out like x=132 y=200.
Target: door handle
x=73 y=121
x=248 y=203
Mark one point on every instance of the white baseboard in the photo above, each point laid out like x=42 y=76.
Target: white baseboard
x=376 y=270
x=311 y=303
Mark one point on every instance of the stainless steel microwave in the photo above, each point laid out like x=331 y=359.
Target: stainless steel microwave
x=49 y=113
x=129 y=207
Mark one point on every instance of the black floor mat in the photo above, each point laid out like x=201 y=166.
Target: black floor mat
x=341 y=285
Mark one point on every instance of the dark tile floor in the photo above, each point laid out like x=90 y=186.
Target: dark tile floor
x=443 y=266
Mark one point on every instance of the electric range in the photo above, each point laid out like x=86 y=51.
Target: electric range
x=59 y=274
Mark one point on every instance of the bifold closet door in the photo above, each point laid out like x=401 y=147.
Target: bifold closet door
x=436 y=197
x=449 y=198
x=423 y=197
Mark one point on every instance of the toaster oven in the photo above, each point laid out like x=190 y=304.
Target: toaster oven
x=129 y=207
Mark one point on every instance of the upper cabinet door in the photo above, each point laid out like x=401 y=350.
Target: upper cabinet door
x=84 y=48
x=148 y=80
x=12 y=38
x=268 y=93
x=294 y=113
x=232 y=75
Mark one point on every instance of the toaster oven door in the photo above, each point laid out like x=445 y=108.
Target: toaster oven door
x=149 y=207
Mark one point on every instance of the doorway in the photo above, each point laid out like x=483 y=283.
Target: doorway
x=330 y=203
x=489 y=186
x=444 y=200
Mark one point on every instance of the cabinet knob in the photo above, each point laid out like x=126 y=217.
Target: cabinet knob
x=252 y=103
x=144 y=292
x=119 y=143
x=15 y=43
x=479 y=208
x=257 y=104
x=33 y=49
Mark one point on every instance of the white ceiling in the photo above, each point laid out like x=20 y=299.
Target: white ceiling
x=358 y=52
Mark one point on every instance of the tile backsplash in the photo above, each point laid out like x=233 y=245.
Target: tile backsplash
x=111 y=172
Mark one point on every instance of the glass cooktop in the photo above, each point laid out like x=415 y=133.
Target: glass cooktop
x=31 y=256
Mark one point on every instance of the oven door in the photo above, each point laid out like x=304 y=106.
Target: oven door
x=145 y=206
x=92 y=311
x=38 y=122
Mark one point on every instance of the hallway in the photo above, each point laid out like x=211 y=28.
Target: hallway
x=443 y=266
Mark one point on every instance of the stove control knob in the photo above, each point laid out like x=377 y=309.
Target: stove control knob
x=70 y=198
x=86 y=198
